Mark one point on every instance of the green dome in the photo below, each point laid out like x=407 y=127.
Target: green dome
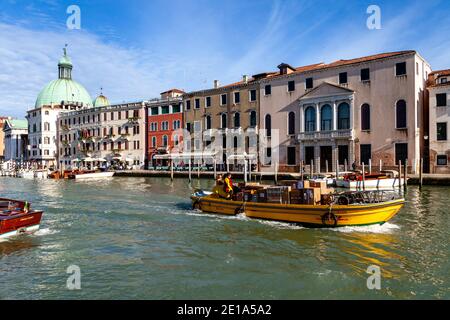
x=63 y=90
x=101 y=101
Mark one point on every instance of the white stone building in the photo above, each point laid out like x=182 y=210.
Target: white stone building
x=16 y=140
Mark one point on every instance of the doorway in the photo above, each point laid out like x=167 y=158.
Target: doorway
x=326 y=157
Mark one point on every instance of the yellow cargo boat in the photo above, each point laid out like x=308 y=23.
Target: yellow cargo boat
x=333 y=215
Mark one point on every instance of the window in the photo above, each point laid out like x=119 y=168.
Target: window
x=268 y=125
x=176 y=124
x=401 y=114
x=291 y=86
x=441 y=160
x=197 y=126
x=365 y=153
x=112 y=116
x=223 y=99
x=365 y=74
x=120 y=116
x=343 y=78
x=46 y=126
x=252 y=95
x=441 y=100
x=207 y=102
x=400 y=69
x=253 y=119
x=343 y=116
x=326 y=118
x=237 y=97
x=401 y=152
x=441 y=131
x=291 y=123
x=365 y=117
x=208 y=122
x=165 y=110
x=237 y=120
x=176 y=108
x=235 y=142
x=443 y=80
x=223 y=121
x=188 y=127
x=310 y=119
x=309 y=83
x=197 y=103
x=291 y=156
x=188 y=104
x=267 y=90
x=165 y=141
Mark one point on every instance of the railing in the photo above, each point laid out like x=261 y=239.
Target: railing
x=333 y=134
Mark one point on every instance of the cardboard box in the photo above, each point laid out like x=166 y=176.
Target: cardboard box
x=303 y=184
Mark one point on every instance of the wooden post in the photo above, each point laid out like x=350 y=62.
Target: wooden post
x=171 y=170
x=245 y=171
x=276 y=172
x=326 y=165
x=190 y=171
x=345 y=165
x=381 y=165
x=337 y=171
x=364 y=176
x=198 y=169
x=405 y=175
x=318 y=165
x=215 y=168
x=370 y=166
x=400 y=174
x=421 y=174
x=301 y=170
x=311 y=169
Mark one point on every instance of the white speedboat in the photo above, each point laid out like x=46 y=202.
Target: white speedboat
x=27 y=174
x=92 y=175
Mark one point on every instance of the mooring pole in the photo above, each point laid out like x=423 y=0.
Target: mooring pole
x=301 y=170
x=171 y=170
x=311 y=169
x=364 y=176
x=405 y=175
x=370 y=166
x=190 y=171
x=421 y=173
x=400 y=174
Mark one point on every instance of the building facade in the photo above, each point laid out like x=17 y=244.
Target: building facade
x=15 y=140
x=165 y=124
x=224 y=118
x=106 y=135
x=439 y=121
x=362 y=110
x=61 y=95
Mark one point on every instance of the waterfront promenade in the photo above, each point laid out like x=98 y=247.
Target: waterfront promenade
x=413 y=179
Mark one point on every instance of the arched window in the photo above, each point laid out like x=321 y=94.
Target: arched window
x=175 y=140
x=343 y=116
x=253 y=119
x=365 y=117
x=310 y=119
x=291 y=123
x=165 y=141
x=208 y=122
x=268 y=125
x=154 y=142
x=235 y=142
x=326 y=118
x=237 y=120
x=224 y=120
x=401 y=114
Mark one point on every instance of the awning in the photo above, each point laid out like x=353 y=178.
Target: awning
x=88 y=159
x=185 y=155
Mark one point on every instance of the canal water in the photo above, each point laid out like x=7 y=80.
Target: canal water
x=137 y=238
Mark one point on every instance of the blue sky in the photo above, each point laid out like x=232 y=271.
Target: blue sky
x=136 y=49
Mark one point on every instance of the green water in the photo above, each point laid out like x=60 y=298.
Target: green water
x=137 y=238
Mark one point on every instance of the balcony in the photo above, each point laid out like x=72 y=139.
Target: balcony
x=326 y=135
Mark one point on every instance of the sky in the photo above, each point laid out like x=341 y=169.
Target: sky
x=136 y=49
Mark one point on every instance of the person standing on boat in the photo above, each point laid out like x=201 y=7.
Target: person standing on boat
x=228 y=184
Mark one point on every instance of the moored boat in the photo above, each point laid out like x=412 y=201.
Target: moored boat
x=91 y=175
x=388 y=179
x=16 y=217
x=339 y=209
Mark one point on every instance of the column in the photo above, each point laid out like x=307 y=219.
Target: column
x=301 y=118
x=352 y=113
x=317 y=117
x=334 y=116
x=335 y=156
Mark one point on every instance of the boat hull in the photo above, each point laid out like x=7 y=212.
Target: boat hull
x=24 y=223
x=371 y=184
x=307 y=215
x=95 y=175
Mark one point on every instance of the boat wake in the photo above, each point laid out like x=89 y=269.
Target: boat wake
x=44 y=232
x=385 y=228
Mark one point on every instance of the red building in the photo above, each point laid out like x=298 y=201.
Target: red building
x=164 y=118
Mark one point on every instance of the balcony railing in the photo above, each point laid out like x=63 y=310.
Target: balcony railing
x=333 y=134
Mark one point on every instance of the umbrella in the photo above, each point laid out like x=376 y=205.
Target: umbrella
x=76 y=160
x=100 y=160
x=88 y=159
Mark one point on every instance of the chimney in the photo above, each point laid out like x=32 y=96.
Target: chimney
x=245 y=78
x=216 y=84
